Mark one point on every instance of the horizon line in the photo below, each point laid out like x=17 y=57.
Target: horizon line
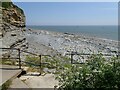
x=72 y=25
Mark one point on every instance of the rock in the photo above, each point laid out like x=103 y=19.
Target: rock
x=13 y=34
x=12 y=27
x=1 y=34
x=12 y=17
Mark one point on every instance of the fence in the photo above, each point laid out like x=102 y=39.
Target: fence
x=19 y=57
x=75 y=53
x=40 y=56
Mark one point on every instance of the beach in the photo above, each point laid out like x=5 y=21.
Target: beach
x=53 y=43
x=59 y=45
x=56 y=44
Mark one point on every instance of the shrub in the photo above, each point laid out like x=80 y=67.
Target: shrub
x=97 y=72
x=6 y=4
x=32 y=61
x=6 y=85
x=7 y=62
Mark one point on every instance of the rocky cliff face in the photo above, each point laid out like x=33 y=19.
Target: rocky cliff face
x=12 y=16
x=12 y=27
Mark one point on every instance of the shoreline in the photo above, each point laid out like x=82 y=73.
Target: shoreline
x=66 y=42
x=80 y=34
x=83 y=35
x=100 y=31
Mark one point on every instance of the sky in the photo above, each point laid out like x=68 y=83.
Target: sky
x=70 y=13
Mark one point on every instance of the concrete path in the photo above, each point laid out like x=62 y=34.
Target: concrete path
x=8 y=72
x=47 y=81
x=17 y=84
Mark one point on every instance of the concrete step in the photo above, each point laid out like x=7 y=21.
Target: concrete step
x=17 y=83
x=8 y=72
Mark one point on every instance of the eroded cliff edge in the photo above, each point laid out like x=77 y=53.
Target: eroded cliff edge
x=14 y=33
x=12 y=26
x=12 y=16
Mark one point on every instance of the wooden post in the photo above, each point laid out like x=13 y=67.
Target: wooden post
x=40 y=63
x=19 y=58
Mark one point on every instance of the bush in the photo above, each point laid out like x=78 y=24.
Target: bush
x=46 y=62
x=97 y=72
x=6 y=85
x=7 y=62
x=32 y=61
x=6 y=4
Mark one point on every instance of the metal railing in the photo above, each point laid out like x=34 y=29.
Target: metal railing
x=40 y=57
x=19 y=57
x=72 y=54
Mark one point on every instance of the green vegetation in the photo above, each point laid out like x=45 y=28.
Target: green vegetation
x=6 y=85
x=6 y=4
x=32 y=62
x=19 y=9
x=9 y=4
x=47 y=62
x=97 y=72
x=7 y=62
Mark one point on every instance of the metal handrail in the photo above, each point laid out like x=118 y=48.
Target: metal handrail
x=76 y=53
x=40 y=63
x=33 y=63
x=19 y=53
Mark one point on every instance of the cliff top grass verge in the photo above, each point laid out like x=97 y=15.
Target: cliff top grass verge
x=9 y=4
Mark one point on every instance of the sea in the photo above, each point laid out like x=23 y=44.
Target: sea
x=106 y=32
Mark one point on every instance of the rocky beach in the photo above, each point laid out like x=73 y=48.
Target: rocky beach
x=53 y=43
x=14 y=34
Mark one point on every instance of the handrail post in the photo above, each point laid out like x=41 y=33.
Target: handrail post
x=72 y=58
x=40 y=63
x=19 y=59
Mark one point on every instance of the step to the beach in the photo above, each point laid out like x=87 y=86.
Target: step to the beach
x=17 y=84
x=8 y=72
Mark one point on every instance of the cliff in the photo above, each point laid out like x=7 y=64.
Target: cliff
x=12 y=26
x=12 y=16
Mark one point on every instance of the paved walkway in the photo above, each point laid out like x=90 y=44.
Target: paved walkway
x=47 y=81
x=17 y=84
x=8 y=72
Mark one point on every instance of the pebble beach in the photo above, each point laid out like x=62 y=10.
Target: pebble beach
x=55 y=42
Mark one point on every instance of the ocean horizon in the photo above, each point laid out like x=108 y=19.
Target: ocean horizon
x=106 y=32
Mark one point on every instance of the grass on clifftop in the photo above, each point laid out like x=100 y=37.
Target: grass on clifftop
x=6 y=4
x=9 y=4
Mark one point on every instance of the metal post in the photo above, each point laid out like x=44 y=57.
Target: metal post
x=71 y=58
x=40 y=63
x=115 y=63
x=19 y=58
